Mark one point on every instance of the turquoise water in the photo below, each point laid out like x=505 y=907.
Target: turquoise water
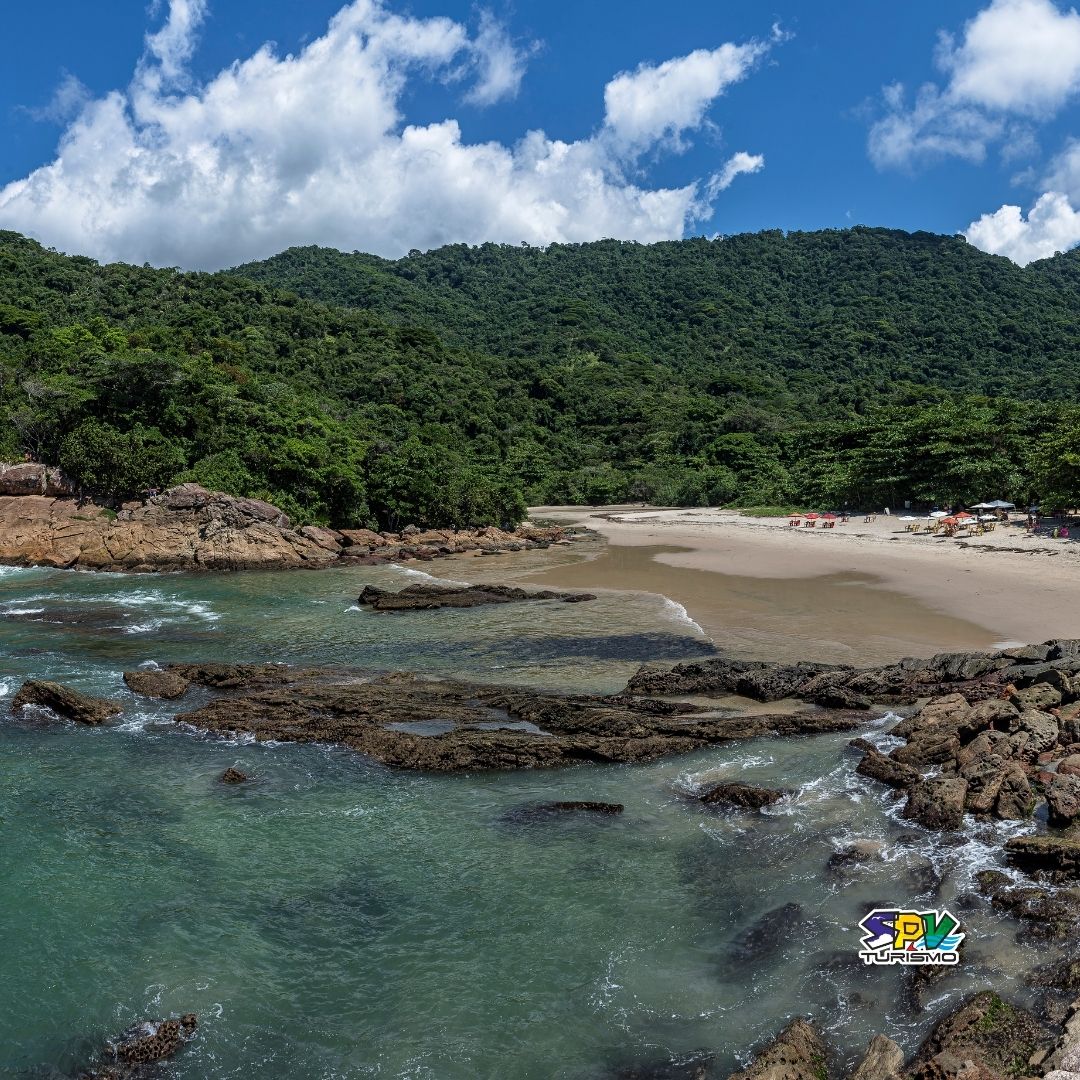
x=337 y=919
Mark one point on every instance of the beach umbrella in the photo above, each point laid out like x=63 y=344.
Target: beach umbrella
x=949 y=521
x=939 y=514
x=1000 y=504
x=811 y=517
x=830 y=516
x=984 y=506
x=963 y=516
x=908 y=517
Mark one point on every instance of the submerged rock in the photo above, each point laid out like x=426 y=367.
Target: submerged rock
x=65 y=702
x=797 y=1053
x=1052 y=854
x=531 y=813
x=735 y=793
x=232 y=775
x=157 y=684
x=1052 y=915
x=769 y=933
x=425 y=597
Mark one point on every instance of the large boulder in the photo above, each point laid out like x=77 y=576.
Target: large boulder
x=1038 y=696
x=156 y=683
x=883 y=1060
x=33 y=478
x=141 y=1048
x=1063 y=800
x=887 y=770
x=65 y=702
x=1041 y=727
x=425 y=597
x=937 y=803
x=1015 y=800
x=797 y=1053
x=1053 y=854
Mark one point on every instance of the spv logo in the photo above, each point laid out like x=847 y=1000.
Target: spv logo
x=893 y=936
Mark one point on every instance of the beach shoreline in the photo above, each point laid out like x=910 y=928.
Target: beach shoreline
x=866 y=591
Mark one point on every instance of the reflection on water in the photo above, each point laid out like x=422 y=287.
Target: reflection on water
x=336 y=919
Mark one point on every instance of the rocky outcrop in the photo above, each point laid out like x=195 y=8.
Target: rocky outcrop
x=446 y=725
x=937 y=803
x=424 y=597
x=797 y=1053
x=1051 y=915
x=986 y=1038
x=742 y=796
x=156 y=684
x=190 y=528
x=64 y=702
x=883 y=1060
x=1055 y=856
x=233 y=775
x=142 y=1047
x=538 y=813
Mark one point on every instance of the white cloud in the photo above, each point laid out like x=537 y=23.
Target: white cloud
x=663 y=101
x=1051 y=225
x=736 y=165
x=68 y=100
x=313 y=148
x=1014 y=58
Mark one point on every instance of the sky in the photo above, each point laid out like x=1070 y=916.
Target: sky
x=205 y=133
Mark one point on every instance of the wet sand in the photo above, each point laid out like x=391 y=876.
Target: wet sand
x=761 y=592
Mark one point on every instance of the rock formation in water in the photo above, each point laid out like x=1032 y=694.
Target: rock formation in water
x=64 y=702
x=187 y=527
x=424 y=597
x=743 y=796
x=484 y=727
x=141 y=1048
x=157 y=684
x=797 y=1053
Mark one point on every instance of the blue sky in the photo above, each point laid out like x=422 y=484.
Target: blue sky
x=150 y=134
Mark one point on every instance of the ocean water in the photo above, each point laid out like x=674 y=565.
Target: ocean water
x=336 y=919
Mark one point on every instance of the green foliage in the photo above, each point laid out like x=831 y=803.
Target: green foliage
x=863 y=367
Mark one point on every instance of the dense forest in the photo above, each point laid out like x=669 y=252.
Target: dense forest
x=857 y=367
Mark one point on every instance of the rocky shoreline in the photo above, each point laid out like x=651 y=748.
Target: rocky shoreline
x=43 y=523
x=992 y=735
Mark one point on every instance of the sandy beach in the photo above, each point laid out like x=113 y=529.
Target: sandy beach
x=860 y=592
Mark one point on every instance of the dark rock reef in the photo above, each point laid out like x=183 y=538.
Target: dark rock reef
x=65 y=702
x=142 y=1047
x=445 y=725
x=425 y=597
x=743 y=796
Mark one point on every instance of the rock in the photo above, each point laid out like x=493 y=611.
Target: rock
x=157 y=684
x=32 y=478
x=1053 y=915
x=984 y=776
x=1069 y=766
x=390 y=719
x=1055 y=855
x=744 y=796
x=185 y=528
x=142 y=1046
x=985 y=744
x=983 y=1039
x=774 y=929
x=994 y=712
x=424 y=597
x=797 y=1053
x=894 y=773
x=233 y=775
x=1038 y=696
x=537 y=813
x=942 y=712
x=1015 y=800
x=1063 y=800
x=883 y=1060
x=930 y=746
x=65 y=702
x=329 y=539
x=1040 y=726
x=363 y=538
x=857 y=853
x=937 y=803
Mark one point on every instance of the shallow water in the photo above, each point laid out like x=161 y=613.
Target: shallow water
x=338 y=919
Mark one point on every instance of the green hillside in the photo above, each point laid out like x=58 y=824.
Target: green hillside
x=446 y=388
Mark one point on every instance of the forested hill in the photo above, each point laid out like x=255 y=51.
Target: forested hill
x=445 y=389
x=810 y=324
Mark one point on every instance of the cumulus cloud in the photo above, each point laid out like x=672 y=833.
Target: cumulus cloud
x=314 y=148
x=663 y=101
x=1014 y=58
x=1051 y=225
